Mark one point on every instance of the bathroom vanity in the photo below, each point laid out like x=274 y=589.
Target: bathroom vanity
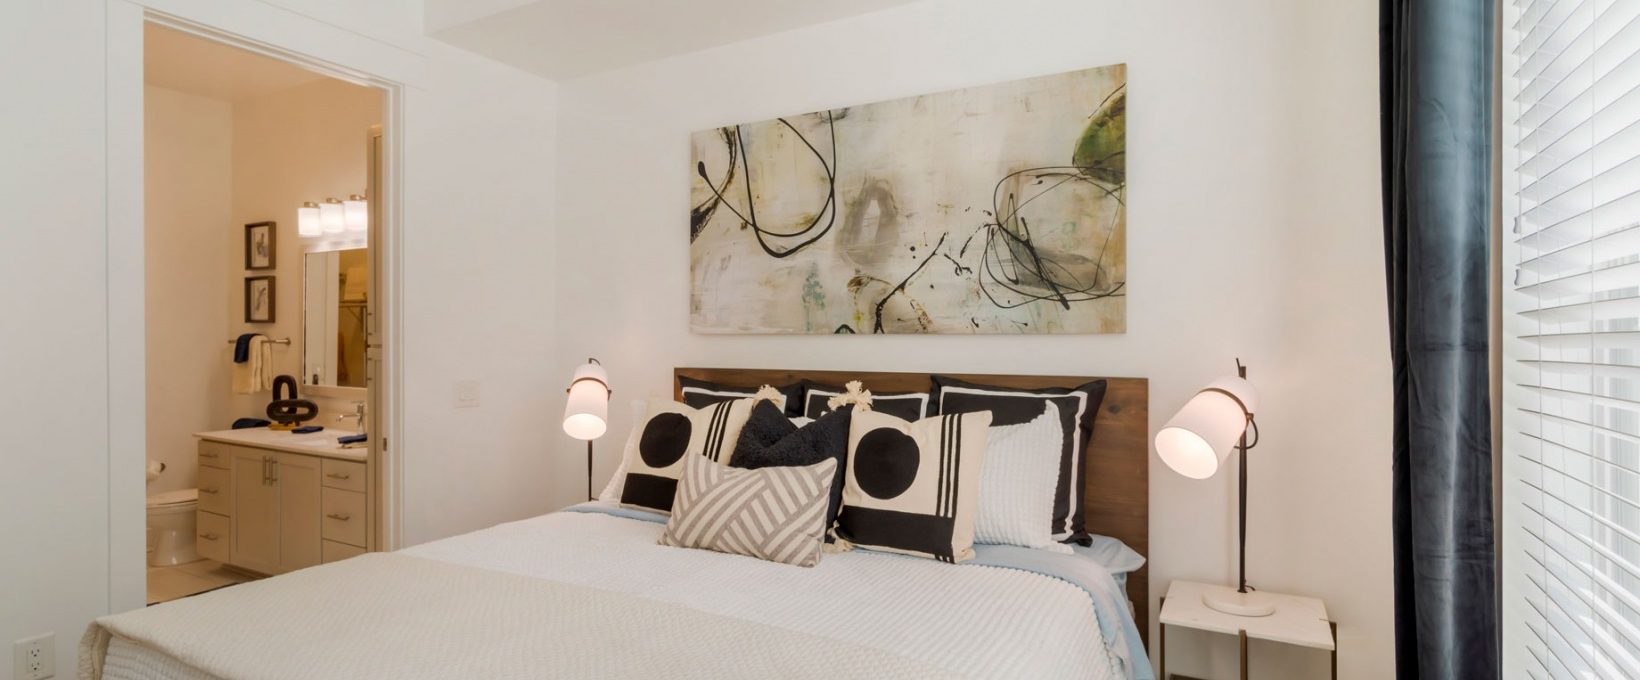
x=272 y=501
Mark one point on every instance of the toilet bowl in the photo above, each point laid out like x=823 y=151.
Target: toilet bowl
x=171 y=527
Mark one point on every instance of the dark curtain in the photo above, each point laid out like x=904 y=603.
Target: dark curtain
x=1436 y=78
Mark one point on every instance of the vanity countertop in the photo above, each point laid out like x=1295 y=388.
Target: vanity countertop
x=321 y=443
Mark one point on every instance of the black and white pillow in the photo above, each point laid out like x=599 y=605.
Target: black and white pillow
x=913 y=488
x=903 y=405
x=770 y=439
x=1012 y=406
x=703 y=393
x=654 y=458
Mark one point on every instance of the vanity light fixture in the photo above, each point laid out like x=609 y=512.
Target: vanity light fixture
x=357 y=213
x=307 y=220
x=331 y=216
x=586 y=415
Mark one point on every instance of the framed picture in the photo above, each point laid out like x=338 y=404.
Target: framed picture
x=259 y=299
x=259 y=245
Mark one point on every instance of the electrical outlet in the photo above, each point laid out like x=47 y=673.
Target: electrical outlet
x=35 y=658
x=466 y=393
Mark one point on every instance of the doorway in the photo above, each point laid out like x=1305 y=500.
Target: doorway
x=267 y=269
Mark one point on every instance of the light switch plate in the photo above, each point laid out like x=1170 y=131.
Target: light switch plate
x=34 y=658
x=466 y=393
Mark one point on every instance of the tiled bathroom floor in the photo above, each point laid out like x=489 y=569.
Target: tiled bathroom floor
x=170 y=583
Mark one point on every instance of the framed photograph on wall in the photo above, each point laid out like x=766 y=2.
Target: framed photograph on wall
x=259 y=245
x=259 y=299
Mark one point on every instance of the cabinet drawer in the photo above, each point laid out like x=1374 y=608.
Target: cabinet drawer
x=341 y=474
x=211 y=536
x=215 y=454
x=336 y=552
x=343 y=519
x=215 y=490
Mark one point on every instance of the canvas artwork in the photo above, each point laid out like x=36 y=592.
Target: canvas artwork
x=995 y=209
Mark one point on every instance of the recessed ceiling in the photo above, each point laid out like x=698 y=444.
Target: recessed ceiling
x=187 y=63
x=563 y=39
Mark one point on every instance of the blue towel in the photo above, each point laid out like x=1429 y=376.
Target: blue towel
x=307 y=429
x=349 y=439
x=242 y=347
x=248 y=423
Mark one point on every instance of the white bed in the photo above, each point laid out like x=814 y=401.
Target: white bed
x=571 y=577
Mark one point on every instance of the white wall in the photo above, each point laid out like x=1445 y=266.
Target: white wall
x=1253 y=232
x=188 y=172
x=478 y=144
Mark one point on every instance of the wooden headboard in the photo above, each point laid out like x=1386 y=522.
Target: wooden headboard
x=1116 y=501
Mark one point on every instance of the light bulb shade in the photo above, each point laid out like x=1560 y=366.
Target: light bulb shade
x=307 y=220
x=356 y=213
x=1201 y=435
x=331 y=216
x=586 y=416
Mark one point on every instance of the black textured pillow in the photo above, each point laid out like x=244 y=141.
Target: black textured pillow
x=1011 y=406
x=770 y=439
x=912 y=406
x=703 y=393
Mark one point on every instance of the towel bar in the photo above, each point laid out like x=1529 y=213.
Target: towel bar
x=284 y=341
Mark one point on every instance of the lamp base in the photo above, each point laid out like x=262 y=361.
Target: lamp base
x=1251 y=604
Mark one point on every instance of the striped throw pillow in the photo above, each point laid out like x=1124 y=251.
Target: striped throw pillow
x=674 y=433
x=776 y=513
x=913 y=488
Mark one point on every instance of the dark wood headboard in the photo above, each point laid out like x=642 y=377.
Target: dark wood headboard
x=1116 y=501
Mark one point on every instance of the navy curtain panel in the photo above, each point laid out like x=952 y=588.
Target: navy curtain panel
x=1436 y=78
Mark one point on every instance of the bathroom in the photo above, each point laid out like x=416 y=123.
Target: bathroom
x=262 y=180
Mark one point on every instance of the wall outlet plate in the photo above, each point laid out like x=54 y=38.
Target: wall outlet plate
x=34 y=658
x=466 y=393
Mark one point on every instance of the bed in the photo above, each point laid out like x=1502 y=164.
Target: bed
x=587 y=592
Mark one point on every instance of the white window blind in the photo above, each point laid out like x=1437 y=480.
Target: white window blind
x=1571 y=347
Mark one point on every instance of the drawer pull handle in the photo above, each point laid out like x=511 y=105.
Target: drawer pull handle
x=339 y=475
x=340 y=516
x=209 y=537
x=207 y=455
x=211 y=490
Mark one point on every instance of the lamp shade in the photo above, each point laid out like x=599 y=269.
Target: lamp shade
x=1196 y=440
x=307 y=220
x=586 y=416
x=356 y=213
x=331 y=216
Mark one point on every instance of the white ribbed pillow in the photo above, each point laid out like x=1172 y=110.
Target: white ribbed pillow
x=1017 y=483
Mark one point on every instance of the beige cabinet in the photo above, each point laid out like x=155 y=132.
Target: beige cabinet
x=277 y=511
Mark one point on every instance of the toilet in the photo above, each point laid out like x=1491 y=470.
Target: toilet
x=171 y=527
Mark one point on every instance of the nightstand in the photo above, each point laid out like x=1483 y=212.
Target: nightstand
x=1298 y=621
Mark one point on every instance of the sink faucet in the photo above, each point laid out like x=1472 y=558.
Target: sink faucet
x=357 y=415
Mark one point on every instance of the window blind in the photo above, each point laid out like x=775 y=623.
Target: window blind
x=1571 y=346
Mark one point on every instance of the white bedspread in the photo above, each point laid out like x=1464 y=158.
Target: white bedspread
x=979 y=621
x=857 y=614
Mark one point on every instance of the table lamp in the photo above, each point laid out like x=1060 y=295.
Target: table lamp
x=586 y=415
x=1195 y=443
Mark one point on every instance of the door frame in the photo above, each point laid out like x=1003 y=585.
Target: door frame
x=126 y=398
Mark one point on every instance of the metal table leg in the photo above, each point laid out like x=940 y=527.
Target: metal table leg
x=1243 y=635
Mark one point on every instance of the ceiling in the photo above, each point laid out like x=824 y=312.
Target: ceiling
x=186 y=63
x=563 y=39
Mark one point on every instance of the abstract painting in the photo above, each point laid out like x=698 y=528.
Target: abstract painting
x=995 y=209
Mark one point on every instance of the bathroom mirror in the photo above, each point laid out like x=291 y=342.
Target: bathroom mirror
x=336 y=290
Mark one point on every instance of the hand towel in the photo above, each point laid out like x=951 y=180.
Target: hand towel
x=256 y=373
x=242 y=347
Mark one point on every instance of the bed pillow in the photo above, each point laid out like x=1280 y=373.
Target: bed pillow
x=1011 y=406
x=776 y=513
x=770 y=439
x=903 y=405
x=617 y=482
x=1017 y=483
x=703 y=393
x=670 y=434
x=913 y=488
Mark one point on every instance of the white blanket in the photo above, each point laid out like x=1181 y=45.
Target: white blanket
x=396 y=616
x=857 y=614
